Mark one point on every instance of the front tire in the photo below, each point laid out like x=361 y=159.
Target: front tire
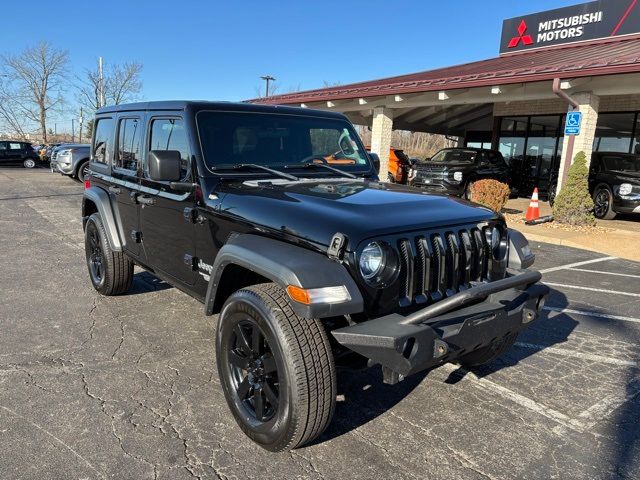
x=29 y=163
x=276 y=369
x=603 y=203
x=111 y=273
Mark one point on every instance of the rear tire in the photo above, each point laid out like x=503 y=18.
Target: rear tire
x=391 y=178
x=603 y=203
x=276 y=369
x=489 y=353
x=111 y=273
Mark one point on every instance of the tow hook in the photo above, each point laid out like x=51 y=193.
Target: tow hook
x=528 y=315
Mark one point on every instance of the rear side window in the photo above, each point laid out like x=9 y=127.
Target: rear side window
x=170 y=134
x=103 y=140
x=15 y=146
x=128 y=151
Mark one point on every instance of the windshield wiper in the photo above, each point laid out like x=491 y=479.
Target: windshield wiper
x=255 y=166
x=322 y=165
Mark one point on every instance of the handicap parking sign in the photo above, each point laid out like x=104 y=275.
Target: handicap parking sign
x=572 y=125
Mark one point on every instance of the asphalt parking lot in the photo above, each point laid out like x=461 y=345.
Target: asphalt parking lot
x=126 y=387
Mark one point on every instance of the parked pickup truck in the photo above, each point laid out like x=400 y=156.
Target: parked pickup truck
x=308 y=265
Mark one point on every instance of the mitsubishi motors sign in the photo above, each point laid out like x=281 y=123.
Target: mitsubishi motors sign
x=588 y=21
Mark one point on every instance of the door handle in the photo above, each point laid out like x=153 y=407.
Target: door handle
x=145 y=200
x=114 y=190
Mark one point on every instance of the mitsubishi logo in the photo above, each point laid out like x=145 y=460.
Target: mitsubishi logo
x=526 y=39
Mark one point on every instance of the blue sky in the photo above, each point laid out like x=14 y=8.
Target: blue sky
x=218 y=49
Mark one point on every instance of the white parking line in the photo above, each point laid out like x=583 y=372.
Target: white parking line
x=586 y=313
x=577 y=264
x=590 y=289
x=491 y=387
x=575 y=354
x=605 y=407
x=605 y=273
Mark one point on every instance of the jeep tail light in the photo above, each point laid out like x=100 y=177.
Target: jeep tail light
x=87 y=184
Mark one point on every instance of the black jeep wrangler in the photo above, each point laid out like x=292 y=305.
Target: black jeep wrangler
x=309 y=265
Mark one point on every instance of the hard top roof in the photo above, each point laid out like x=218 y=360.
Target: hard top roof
x=196 y=105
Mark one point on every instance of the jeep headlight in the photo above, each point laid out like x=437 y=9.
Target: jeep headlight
x=64 y=153
x=625 y=189
x=497 y=241
x=371 y=261
x=378 y=264
x=457 y=176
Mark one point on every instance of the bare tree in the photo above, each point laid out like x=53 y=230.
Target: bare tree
x=36 y=79
x=11 y=114
x=122 y=84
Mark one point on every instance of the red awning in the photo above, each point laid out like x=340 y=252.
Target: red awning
x=614 y=56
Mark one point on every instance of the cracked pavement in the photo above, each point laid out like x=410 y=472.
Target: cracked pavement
x=126 y=387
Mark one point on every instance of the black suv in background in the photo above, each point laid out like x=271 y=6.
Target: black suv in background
x=614 y=182
x=452 y=171
x=18 y=153
x=310 y=265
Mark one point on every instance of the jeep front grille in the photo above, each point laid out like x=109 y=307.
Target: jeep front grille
x=437 y=265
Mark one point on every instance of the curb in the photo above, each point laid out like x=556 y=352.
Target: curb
x=534 y=237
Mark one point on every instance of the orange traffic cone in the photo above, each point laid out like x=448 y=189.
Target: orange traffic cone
x=533 y=212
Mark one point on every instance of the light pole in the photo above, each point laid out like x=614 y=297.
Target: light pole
x=267 y=78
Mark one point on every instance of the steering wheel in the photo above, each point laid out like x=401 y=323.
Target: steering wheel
x=314 y=159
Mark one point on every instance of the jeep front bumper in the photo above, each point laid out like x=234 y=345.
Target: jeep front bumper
x=446 y=330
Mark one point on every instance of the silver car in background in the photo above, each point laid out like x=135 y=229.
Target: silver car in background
x=71 y=159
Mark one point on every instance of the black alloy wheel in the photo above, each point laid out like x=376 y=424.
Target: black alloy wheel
x=602 y=204
x=95 y=255
x=276 y=369
x=253 y=371
x=111 y=272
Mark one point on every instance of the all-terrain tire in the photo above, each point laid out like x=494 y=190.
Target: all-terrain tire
x=489 y=353
x=115 y=274
x=306 y=375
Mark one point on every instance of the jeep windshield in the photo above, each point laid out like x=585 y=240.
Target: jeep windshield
x=453 y=156
x=279 y=141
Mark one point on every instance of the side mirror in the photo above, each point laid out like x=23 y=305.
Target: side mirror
x=165 y=165
x=376 y=161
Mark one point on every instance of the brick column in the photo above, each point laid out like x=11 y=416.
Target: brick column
x=589 y=104
x=381 y=129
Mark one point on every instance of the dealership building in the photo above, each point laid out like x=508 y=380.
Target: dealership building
x=584 y=58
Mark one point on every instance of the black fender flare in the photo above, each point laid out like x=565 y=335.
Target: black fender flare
x=285 y=264
x=100 y=199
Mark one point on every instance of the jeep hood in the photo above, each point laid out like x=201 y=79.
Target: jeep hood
x=315 y=209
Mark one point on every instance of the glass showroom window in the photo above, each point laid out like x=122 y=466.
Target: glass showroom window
x=615 y=132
